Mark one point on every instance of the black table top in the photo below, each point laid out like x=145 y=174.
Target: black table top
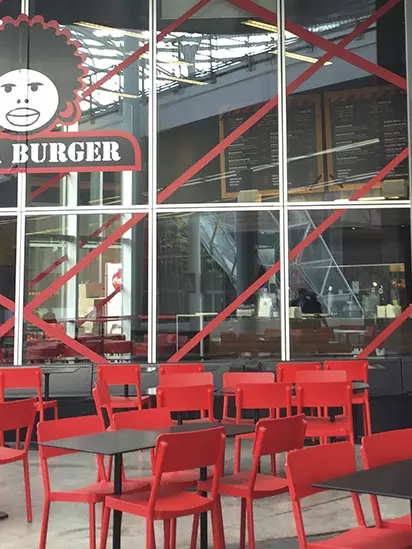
x=392 y=480
x=47 y=370
x=110 y=443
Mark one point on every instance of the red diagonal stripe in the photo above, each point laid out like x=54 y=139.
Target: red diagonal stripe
x=98 y=307
x=213 y=324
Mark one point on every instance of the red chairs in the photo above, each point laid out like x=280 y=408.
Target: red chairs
x=103 y=401
x=26 y=378
x=321 y=376
x=123 y=374
x=154 y=418
x=273 y=436
x=166 y=369
x=286 y=371
x=91 y=494
x=174 y=452
x=260 y=396
x=327 y=396
x=16 y=415
x=196 y=398
x=182 y=380
x=232 y=379
x=380 y=449
x=356 y=370
x=310 y=465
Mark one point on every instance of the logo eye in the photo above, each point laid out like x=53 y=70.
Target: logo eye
x=8 y=87
x=35 y=86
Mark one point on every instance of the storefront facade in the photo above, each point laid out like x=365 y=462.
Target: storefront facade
x=211 y=179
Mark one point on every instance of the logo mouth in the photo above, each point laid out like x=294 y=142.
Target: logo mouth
x=23 y=117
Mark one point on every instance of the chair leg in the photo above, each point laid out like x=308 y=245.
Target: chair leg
x=195 y=530
x=166 y=534
x=173 y=529
x=250 y=525
x=150 y=535
x=367 y=417
x=27 y=488
x=238 y=442
x=105 y=527
x=242 y=542
x=44 y=525
x=55 y=411
x=218 y=534
x=222 y=529
x=273 y=464
x=92 y=526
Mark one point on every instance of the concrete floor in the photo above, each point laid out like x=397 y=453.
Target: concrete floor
x=68 y=527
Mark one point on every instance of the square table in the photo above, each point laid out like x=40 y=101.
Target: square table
x=117 y=443
x=393 y=480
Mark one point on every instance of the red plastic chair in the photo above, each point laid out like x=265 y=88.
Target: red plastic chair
x=316 y=464
x=321 y=376
x=260 y=396
x=91 y=494
x=16 y=415
x=326 y=396
x=196 y=398
x=187 y=379
x=26 y=378
x=286 y=371
x=103 y=401
x=174 y=452
x=273 y=436
x=124 y=374
x=156 y=419
x=232 y=379
x=380 y=449
x=357 y=370
x=166 y=369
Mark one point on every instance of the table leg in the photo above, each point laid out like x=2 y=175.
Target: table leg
x=203 y=516
x=126 y=391
x=46 y=386
x=3 y=516
x=410 y=504
x=117 y=515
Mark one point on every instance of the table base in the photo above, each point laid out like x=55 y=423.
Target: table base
x=3 y=516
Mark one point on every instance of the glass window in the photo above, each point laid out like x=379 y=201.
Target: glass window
x=205 y=261
x=7 y=284
x=350 y=282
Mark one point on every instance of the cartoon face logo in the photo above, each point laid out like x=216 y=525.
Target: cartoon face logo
x=41 y=75
x=28 y=99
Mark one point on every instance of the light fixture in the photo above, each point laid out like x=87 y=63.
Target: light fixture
x=371 y=198
x=301 y=57
x=184 y=80
x=121 y=94
x=267 y=27
x=94 y=26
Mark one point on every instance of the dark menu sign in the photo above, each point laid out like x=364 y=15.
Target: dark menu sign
x=369 y=126
x=256 y=151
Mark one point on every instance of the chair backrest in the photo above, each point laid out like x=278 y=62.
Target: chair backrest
x=316 y=464
x=386 y=447
x=151 y=418
x=101 y=397
x=232 y=379
x=320 y=376
x=166 y=369
x=263 y=396
x=17 y=377
x=286 y=371
x=16 y=415
x=191 y=450
x=190 y=379
x=356 y=370
x=332 y=394
x=187 y=399
x=275 y=436
x=119 y=374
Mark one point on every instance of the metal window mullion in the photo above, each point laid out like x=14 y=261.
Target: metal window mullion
x=283 y=183
x=152 y=188
x=408 y=46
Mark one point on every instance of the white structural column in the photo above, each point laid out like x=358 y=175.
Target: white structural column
x=408 y=38
x=283 y=184
x=127 y=258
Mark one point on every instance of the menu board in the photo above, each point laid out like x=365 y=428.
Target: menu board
x=369 y=126
x=256 y=151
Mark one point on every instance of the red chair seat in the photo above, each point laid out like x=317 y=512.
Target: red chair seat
x=238 y=485
x=169 y=504
x=9 y=455
x=95 y=493
x=366 y=538
x=399 y=523
x=127 y=402
x=328 y=428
